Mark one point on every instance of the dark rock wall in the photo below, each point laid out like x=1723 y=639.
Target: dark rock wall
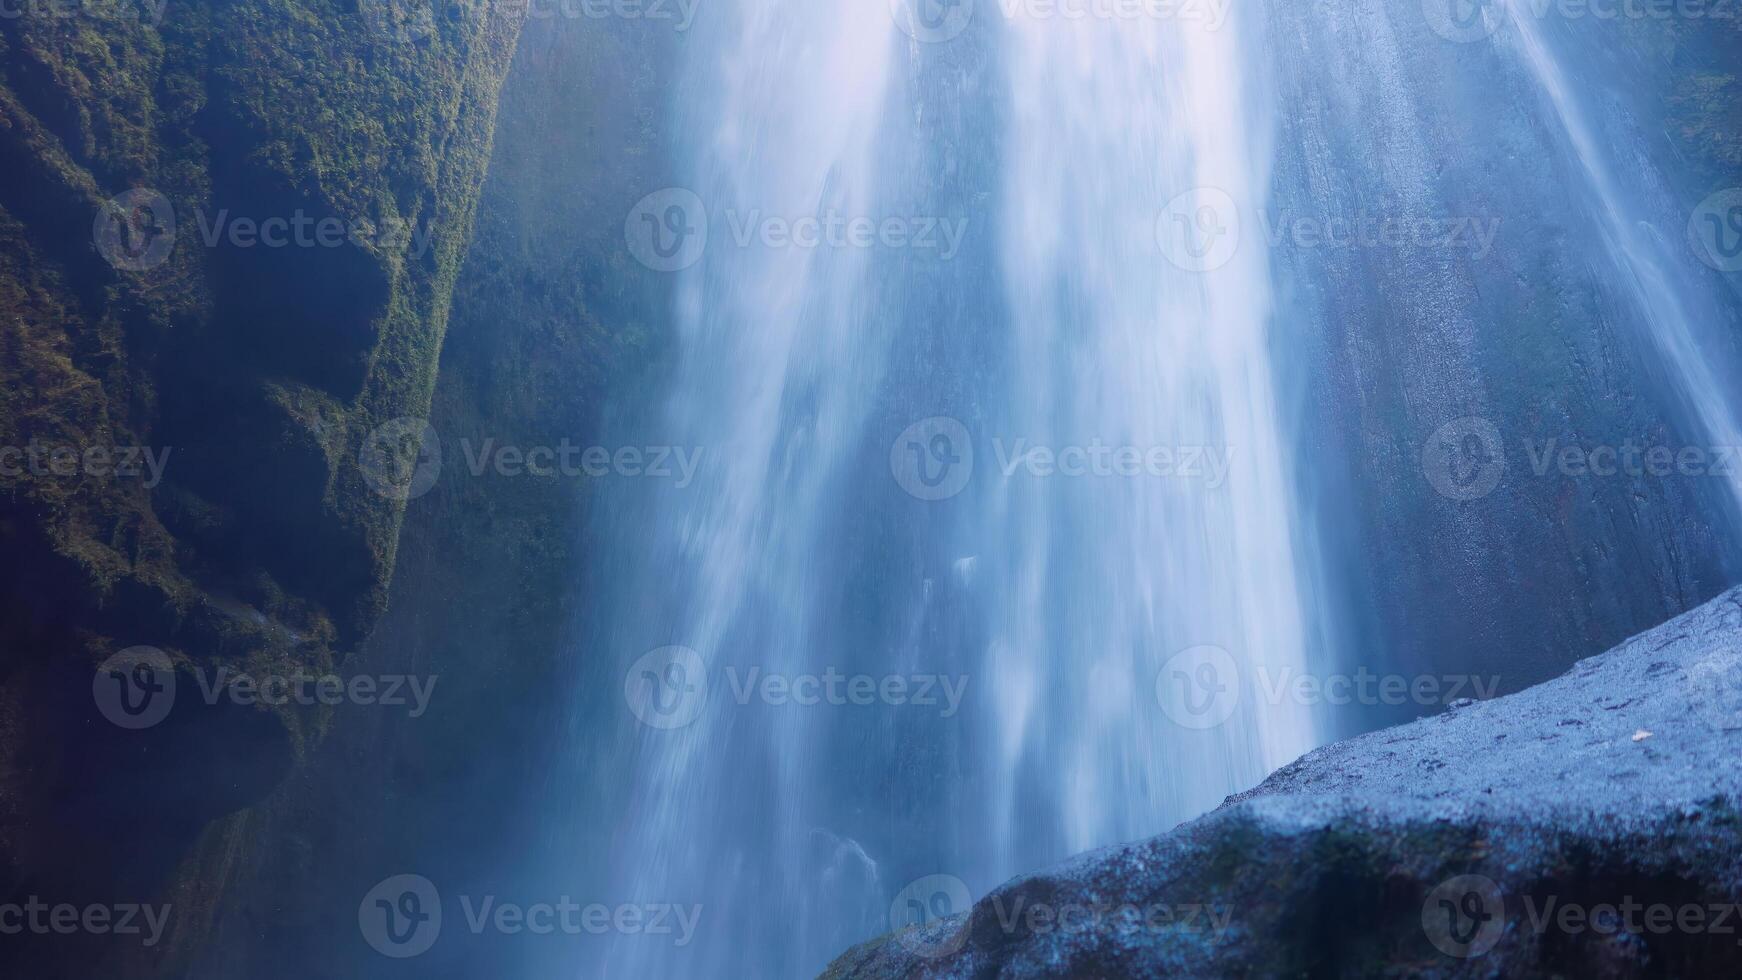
x=260 y=371
x=549 y=311
x=1381 y=347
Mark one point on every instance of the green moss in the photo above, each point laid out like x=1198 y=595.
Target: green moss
x=263 y=550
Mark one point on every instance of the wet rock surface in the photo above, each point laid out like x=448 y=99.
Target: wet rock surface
x=1584 y=827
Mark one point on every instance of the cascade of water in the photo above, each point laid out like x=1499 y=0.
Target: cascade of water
x=1140 y=334
x=1114 y=626
x=1636 y=253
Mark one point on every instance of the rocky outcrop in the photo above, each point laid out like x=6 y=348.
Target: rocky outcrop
x=544 y=313
x=229 y=236
x=1585 y=827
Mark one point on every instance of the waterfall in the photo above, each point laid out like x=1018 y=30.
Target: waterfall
x=1018 y=448
x=1139 y=292
x=1636 y=251
x=993 y=554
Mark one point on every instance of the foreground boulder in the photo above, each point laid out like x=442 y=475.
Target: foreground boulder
x=1585 y=827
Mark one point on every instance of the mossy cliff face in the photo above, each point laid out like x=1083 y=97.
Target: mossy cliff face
x=229 y=234
x=550 y=312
